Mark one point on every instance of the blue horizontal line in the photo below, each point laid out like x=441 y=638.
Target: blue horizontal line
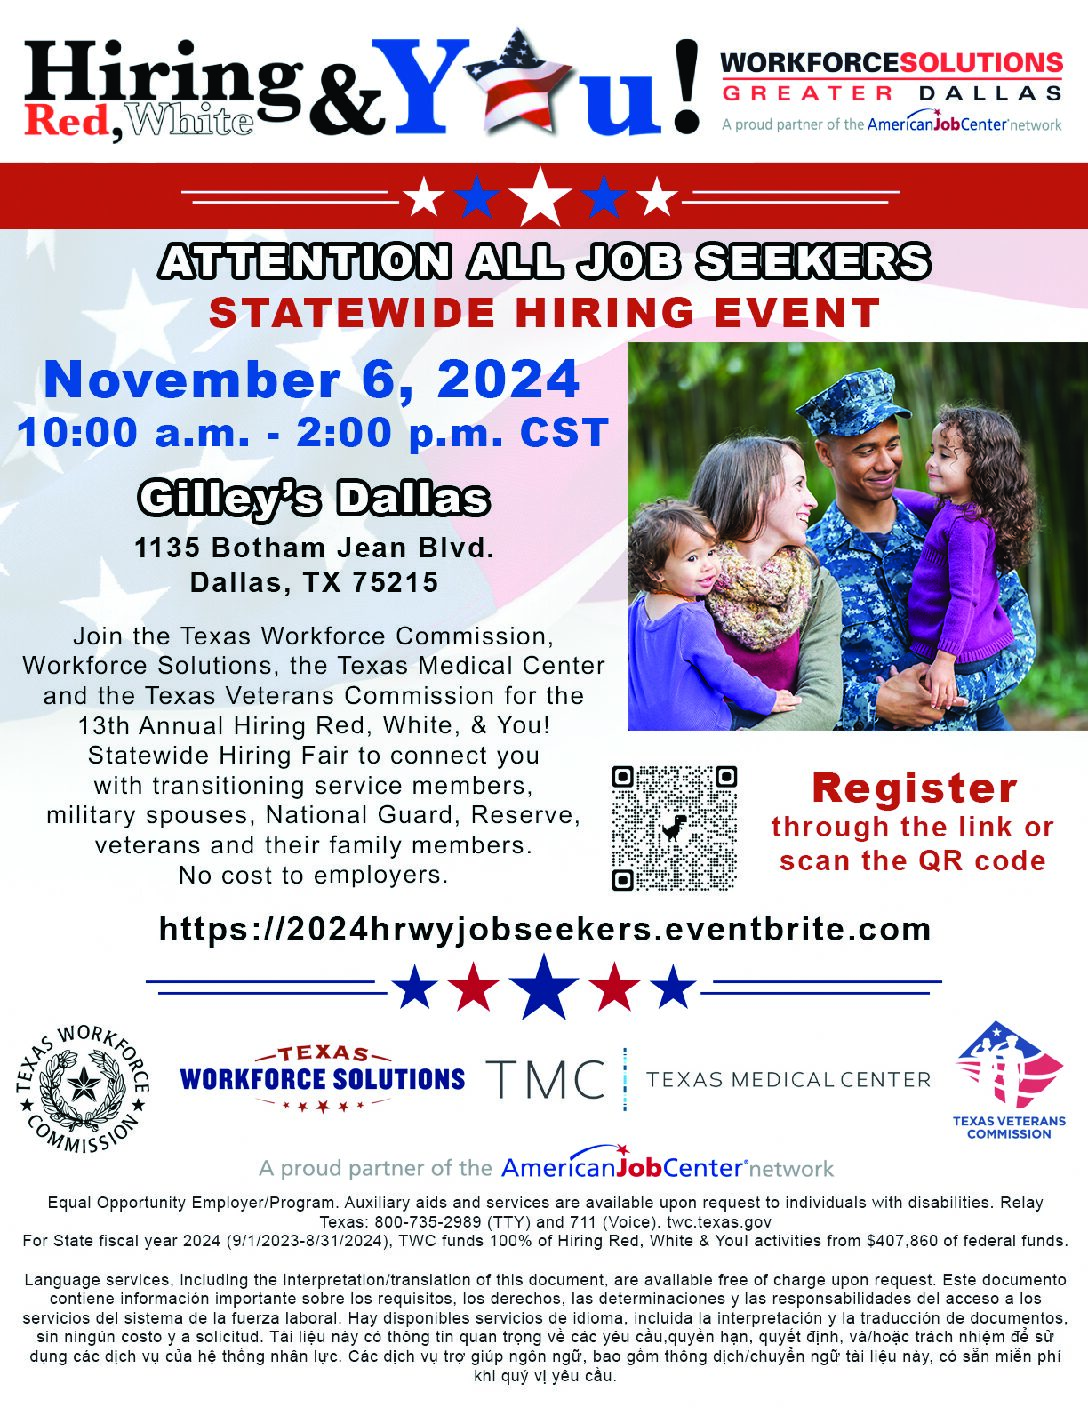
x=827 y=980
x=777 y=992
x=305 y=992
x=221 y=981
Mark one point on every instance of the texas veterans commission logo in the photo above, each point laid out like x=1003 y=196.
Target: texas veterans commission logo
x=1011 y=1071
x=82 y=1088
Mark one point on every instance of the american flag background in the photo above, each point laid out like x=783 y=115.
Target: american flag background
x=517 y=84
x=68 y=516
x=992 y=1058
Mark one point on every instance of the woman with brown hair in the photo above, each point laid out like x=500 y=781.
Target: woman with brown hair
x=777 y=612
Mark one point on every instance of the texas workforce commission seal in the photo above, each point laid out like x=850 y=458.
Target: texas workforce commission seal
x=82 y=1088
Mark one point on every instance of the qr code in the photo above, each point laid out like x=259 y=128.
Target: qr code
x=674 y=828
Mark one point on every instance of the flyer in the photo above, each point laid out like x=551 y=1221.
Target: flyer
x=517 y=530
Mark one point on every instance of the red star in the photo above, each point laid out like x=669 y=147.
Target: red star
x=621 y=1149
x=287 y=1104
x=359 y=1105
x=473 y=988
x=322 y=1105
x=343 y=1106
x=302 y=1105
x=614 y=988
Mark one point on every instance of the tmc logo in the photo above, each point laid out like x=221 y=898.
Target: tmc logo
x=517 y=1076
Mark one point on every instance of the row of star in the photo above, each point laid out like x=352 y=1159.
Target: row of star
x=322 y=1106
x=540 y=198
x=543 y=989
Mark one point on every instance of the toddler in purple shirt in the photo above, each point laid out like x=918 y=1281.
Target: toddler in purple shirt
x=980 y=525
x=678 y=674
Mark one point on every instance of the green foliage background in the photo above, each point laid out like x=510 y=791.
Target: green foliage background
x=684 y=397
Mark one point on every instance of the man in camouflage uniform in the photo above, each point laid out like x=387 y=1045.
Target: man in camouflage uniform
x=870 y=543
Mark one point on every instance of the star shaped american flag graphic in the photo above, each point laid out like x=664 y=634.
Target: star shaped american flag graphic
x=517 y=84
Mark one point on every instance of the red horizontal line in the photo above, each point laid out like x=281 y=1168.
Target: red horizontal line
x=795 y=191
x=764 y=201
x=888 y=77
x=234 y=200
x=262 y=191
x=517 y=88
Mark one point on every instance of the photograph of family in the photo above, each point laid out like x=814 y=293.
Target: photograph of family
x=875 y=552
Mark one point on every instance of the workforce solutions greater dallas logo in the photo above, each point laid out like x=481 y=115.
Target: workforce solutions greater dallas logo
x=1012 y=1071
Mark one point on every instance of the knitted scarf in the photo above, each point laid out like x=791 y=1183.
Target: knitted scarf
x=762 y=606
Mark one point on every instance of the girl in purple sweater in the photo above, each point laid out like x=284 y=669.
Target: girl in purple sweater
x=982 y=521
x=678 y=676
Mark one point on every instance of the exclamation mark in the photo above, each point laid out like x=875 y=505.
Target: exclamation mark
x=687 y=54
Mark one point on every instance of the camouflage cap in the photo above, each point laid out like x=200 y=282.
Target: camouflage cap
x=854 y=404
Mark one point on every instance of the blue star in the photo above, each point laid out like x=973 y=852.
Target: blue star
x=414 y=988
x=673 y=988
x=604 y=198
x=476 y=198
x=543 y=990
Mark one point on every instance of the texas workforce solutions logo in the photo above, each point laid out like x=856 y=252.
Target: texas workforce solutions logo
x=82 y=1088
x=1011 y=1071
x=320 y=1078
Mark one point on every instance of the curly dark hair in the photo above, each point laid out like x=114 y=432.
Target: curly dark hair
x=653 y=534
x=1001 y=487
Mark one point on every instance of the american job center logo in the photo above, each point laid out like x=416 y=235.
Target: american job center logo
x=322 y=1078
